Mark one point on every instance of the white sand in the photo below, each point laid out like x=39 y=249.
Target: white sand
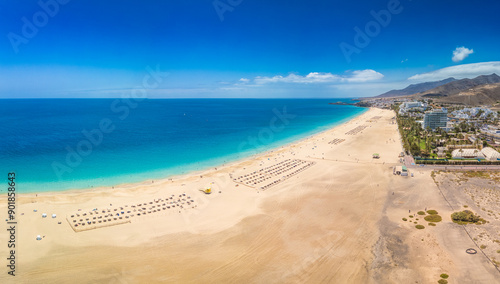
x=321 y=225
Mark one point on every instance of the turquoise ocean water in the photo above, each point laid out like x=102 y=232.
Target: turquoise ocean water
x=60 y=144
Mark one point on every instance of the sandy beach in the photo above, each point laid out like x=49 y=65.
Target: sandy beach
x=321 y=210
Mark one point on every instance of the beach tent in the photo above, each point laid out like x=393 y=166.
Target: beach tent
x=490 y=154
x=38 y=238
x=44 y=215
x=467 y=154
x=54 y=215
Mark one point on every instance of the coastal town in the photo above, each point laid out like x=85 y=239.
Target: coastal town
x=445 y=133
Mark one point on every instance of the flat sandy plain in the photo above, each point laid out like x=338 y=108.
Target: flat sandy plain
x=338 y=221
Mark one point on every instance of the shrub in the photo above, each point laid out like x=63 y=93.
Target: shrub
x=465 y=217
x=411 y=216
x=433 y=218
x=432 y=224
x=421 y=213
x=404 y=219
x=443 y=281
x=444 y=276
x=432 y=212
x=482 y=247
x=420 y=227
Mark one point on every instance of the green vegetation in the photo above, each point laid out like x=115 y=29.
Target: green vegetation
x=423 y=143
x=443 y=281
x=432 y=224
x=411 y=132
x=466 y=217
x=482 y=247
x=421 y=213
x=420 y=227
x=411 y=216
x=433 y=218
x=404 y=219
x=432 y=212
x=465 y=206
x=444 y=276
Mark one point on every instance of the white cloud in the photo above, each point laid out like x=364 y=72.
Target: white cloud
x=460 y=53
x=313 y=77
x=363 y=76
x=316 y=77
x=366 y=89
x=244 y=80
x=460 y=71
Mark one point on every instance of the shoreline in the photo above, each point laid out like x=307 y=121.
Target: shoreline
x=325 y=198
x=195 y=172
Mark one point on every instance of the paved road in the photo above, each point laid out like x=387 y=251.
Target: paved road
x=408 y=161
x=454 y=168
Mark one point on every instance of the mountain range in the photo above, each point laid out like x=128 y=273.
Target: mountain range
x=484 y=89
x=415 y=88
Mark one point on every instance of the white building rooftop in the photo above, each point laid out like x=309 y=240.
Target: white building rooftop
x=490 y=154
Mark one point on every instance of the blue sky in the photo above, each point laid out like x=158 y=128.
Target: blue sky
x=241 y=48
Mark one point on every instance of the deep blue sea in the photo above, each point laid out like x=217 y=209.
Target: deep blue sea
x=60 y=144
